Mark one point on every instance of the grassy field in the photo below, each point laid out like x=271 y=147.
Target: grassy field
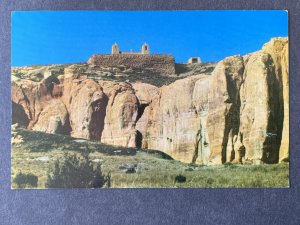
x=39 y=151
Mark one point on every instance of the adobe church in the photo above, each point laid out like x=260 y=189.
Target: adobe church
x=163 y=64
x=144 y=51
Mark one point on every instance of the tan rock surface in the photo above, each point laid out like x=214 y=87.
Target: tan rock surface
x=87 y=109
x=278 y=48
x=223 y=116
x=53 y=118
x=284 y=147
x=121 y=116
x=174 y=121
x=258 y=124
x=239 y=113
x=146 y=94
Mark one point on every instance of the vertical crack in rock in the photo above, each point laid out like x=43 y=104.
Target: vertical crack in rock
x=141 y=109
x=87 y=109
x=224 y=107
x=139 y=135
x=260 y=106
x=202 y=151
x=272 y=141
x=97 y=118
x=148 y=97
x=120 y=119
x=232 y=123
x=66 y=128
x=200 y=108
x=198 y=147
x=278 y=49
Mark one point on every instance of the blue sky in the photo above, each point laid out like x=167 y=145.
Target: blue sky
x=56 y=37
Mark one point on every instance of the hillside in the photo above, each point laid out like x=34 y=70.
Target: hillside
x=118 y=73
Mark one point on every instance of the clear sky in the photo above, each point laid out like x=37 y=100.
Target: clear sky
x=56 y=37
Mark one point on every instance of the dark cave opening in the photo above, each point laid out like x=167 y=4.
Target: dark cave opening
x=139 y=139
x=141 y=110
x=66 y=128
x=139 y=135
x=19 y=116
x=97 y=119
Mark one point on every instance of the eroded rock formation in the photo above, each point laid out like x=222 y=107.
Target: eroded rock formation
x=238 y=113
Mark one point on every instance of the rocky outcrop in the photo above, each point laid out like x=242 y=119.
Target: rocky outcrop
x=174 y=120
x=121 y=117
x=284 y=147
x=224 y=107
x=87 y=109
x=32 y=96
x=53 y=118
x=259 y=101
x=239 y=113
x=146 y=94
x=278 y=48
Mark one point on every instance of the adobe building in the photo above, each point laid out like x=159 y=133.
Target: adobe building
x=145 y=50
x=194 y=60
x=163 y=64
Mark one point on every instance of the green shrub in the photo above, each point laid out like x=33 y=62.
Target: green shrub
x=210 y=181
x=23 y=180
x=180 y=179
x=76 y=172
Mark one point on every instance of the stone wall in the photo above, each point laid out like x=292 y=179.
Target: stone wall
x=158 y=63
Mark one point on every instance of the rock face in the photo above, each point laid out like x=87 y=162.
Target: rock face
x=53 y=118
x=174 y=121
x=87 y=107
x=121 y=117
x=278 y=48
x=259 y=101
x=224 y=106
x=239 y=113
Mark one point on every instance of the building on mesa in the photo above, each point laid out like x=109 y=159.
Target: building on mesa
x=144 y=51
x=115 y=49
x=193 y=60
x=163 y=64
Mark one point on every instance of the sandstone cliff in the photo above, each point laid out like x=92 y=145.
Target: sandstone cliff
x=237 y=113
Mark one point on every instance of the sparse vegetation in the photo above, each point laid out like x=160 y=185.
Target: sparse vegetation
x=180 y=179
x=75 y=172
x=120 y=73
x=25 y=180
x=152 y=170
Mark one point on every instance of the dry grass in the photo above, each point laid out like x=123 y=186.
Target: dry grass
x=154 y=170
